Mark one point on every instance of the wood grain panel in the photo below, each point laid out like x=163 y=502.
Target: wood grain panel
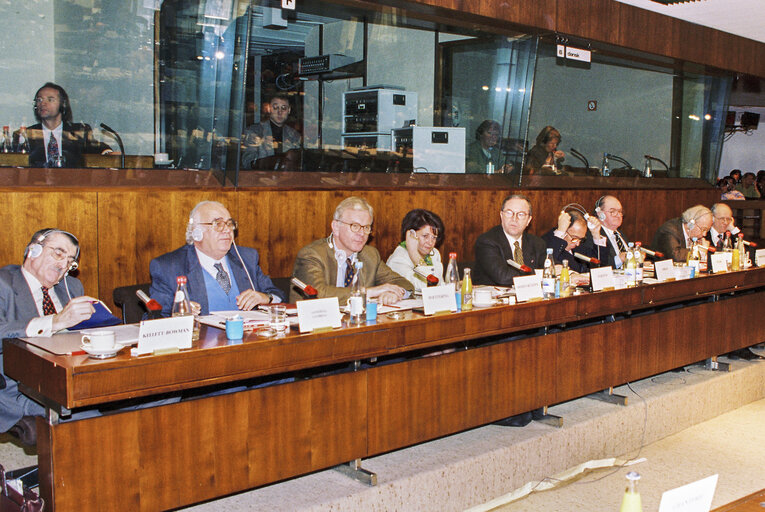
x=645 y=30
x=590 y=19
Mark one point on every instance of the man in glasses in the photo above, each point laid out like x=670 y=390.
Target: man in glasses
x=328 y=264
x=38 y=298
x=221 y=276
x=568 y=237
x=271 y=137
x=609 y=211
x=508 y=241
x=674 y=237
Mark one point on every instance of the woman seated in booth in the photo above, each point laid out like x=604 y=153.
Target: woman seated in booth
x=545 y=157
x=416 y=257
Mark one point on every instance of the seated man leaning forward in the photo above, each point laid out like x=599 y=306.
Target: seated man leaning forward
x=674 y=237
x=507 y=241
x=27 y=309
x=209 y=260
x=327 y=264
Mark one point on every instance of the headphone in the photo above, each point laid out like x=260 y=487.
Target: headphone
x=63 y=107
x=598 y=204
x=35 y=247
x=193 y=231
x=703 y=212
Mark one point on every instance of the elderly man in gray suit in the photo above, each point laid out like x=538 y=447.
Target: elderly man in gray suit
x=27 y=309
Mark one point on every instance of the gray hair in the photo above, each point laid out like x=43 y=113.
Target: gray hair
x=694 y=213
x=353 y=203
x=194 y=217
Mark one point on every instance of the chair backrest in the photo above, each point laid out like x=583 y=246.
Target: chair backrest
x=132 y=307
x=284 y=284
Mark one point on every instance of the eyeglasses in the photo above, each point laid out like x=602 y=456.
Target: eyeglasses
x=518 y=215
x=49 y=99
x=573 y=238
x=357 y=227
x=427 y=236
x=220 y=224
x=725 y=219
x=283 y=108
x=60 y=254
x=615 y=213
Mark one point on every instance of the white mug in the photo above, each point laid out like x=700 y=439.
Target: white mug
x=99 y=340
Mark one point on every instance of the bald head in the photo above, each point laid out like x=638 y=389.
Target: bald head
x=611 y=213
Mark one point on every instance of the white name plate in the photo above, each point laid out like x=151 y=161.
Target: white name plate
x=694 y=497
x=759 y=257
x=165 y=333
x=719 y=262
x=436 y=299
x=665 y=270
x=602 y=278
x=528 y=288
x=316 y=314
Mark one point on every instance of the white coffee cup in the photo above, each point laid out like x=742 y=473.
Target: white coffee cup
x=99 y=340
x=482 y=296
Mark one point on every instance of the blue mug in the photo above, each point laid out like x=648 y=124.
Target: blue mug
x=235 y=328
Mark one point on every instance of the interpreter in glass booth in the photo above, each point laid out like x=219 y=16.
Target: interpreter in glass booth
x=272 y=137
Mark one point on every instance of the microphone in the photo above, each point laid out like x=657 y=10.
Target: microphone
x=627 y=165
x=649 y=252
x=308 y=290
x=657 y=159
x=152 y=305
x=587 y=259
x=580 y=157
x=750 y=244
x=522 y=268
x=429 y=278
x=119 y=142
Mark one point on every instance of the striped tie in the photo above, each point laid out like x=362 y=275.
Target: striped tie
x=619 y=242
x=48 y=307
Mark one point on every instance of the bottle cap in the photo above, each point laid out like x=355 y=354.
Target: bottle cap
x=638 y=244
x=452 y=255
x=181 y=280
x=549 y=250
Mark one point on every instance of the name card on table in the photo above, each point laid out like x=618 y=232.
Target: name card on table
x=602 y=278
x=318 y=314
x=528 y=288
x=165 y=334
x=694 y=497
x=665 y=270
x=437 y=299
x=719 y=262
x=759 y=257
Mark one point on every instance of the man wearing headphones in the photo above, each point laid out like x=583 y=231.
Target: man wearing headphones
x=221 y=276
x=611 y=215
x=55 y=141
x=674 y=236
x=27 y=309
x=486 y=150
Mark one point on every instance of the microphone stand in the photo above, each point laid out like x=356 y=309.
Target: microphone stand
x=658 y=160
x=627 y=165
x=119 y=143
x=581 y=157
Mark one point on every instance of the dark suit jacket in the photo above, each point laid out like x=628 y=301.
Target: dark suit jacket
x=607 y=254
x=17 y=308
x=316 y=265
x=77 y=139
x=670 y=240
x=560 y=254
x=184 y=262
x=492 y=250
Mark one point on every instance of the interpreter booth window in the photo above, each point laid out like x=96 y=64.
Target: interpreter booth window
x=625 y=113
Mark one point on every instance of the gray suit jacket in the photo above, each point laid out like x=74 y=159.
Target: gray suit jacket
x=316 y=265
x=17 y=308
x=670 y=240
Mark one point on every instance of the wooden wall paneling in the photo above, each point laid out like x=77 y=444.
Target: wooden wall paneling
x=137 y=226
x=645 y=30
x=532 y=13
x=695 y=43
x=75 y=211
x=589 y=19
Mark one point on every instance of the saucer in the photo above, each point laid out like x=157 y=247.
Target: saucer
x=483 y=304
x=163 y=162
x=102 y=353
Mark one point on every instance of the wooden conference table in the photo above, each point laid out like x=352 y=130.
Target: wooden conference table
x=506 y=363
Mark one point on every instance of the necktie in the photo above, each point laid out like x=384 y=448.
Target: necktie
x=719 y=241
x=348 y=272
x=52 y=149
x=48 y=307
x=222 y=277
x=518 y=253
x=619 y=242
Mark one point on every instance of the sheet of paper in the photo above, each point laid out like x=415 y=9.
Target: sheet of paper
x=694 y=497
x=601 y=278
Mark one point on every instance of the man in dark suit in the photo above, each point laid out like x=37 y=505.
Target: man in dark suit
x=221 y=276
x=570 y=236
x=55 y=141
x=612 y=252
x=507 y=241
x=28 y=310
x=673 y=238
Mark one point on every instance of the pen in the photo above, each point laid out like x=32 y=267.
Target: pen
x=394 y=307
x=76 y=353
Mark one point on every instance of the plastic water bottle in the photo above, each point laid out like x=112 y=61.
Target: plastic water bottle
x=453 y=278
x=357 y=300
x=630 y=267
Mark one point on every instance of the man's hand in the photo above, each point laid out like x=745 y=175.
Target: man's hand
x=594 y=225
x=196 y=308
x=77 y=310
x=249 y=299
x=564 y=222
x=386 y=293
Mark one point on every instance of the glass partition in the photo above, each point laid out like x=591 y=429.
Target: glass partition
x=234 y=86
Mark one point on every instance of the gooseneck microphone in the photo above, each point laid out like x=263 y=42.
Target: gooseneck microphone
x=308 y=290
x=430 y=279
x=119 y=143
x=658 y=160
x=586 y=259
x=523 y=268
x=580 y=157
x=151 y=304
x=627 y=165
x=649 y=252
